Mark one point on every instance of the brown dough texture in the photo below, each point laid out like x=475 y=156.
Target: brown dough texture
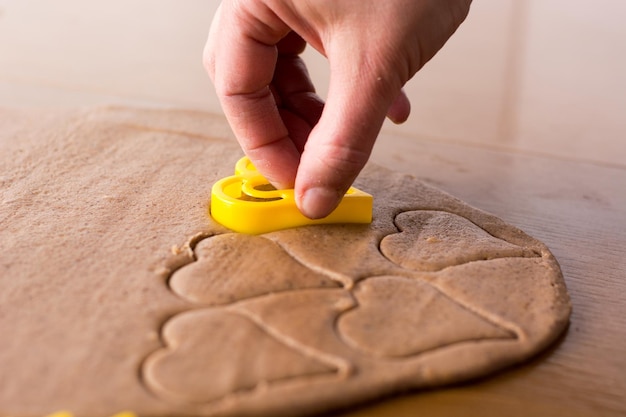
x=119 y=292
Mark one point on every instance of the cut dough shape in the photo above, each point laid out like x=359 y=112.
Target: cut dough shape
x=213 y=354
x=400 y=317
x=310 y=321
x=296 y=321
x=232 y=267
x=433 y=240
x=525 y=288
x=347 y=253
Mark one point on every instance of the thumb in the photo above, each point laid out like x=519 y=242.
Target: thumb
x=341 y=143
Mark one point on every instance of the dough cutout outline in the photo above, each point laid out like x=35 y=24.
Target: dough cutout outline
x=346 y=323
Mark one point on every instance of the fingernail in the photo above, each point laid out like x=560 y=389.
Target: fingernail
x=319 y=202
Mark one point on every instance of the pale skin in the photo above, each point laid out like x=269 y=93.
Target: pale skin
x=295 y=139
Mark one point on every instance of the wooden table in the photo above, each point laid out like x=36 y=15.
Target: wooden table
x=522 y=115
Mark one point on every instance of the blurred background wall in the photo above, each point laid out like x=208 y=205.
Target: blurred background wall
x=537 y=76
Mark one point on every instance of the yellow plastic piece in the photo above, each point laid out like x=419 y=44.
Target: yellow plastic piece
x=61 y=414
x=125 y=414
x=247 y=203
x=68 y=414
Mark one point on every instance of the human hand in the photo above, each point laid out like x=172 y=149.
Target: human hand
x=295 y=140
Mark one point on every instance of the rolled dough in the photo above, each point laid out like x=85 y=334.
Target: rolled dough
x=120 y=293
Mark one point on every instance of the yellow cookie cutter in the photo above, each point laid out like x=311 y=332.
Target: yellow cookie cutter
x=247 y=203
x=68 y=414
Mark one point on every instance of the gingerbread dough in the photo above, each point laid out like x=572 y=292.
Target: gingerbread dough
x=119 y=292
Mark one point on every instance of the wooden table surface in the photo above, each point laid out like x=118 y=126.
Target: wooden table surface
x=523 y=114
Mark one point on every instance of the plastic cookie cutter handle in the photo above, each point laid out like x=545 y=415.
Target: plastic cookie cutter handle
x=247 y=203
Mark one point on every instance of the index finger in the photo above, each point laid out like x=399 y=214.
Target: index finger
x=240 y=57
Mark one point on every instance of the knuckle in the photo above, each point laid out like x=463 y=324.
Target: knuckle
x=343 y=161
